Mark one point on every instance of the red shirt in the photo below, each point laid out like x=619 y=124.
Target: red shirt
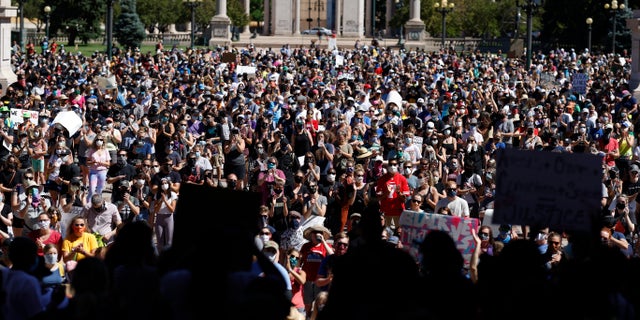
x=54 y=238
x=311 y=256
x=387 y=189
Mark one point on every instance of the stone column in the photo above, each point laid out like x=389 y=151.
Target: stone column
x=220 y=31
x=281 y=18
x=414 y=28
x=353 y=21
x=296 y=27
x=267 y=18
x=633 y=24
x=368 y=18
x=7 y=76
x=247 y=11
x=388 y=15
x=338 y=17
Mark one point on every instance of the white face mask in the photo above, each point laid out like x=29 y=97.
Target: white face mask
x=331 y=177
x=44 y=224
x=408 y=170
x=264 y=238
x=145 y=123
x=140 y=182
x=360 y=179
x=51 y=258
x=156 y=169
x=392 y=169
x=165 y=186
x=99 y=143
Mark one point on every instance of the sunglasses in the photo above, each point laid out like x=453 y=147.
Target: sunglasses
x=416 y=201
x=29 y=177
x=79 y=225
x=265 y=233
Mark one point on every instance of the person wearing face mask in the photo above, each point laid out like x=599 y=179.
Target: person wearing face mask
x=54 y=274
x=161 y=215
x=37 y=151
x=315 y=205
x=268 y=179
x=473 y=132
x=609 y=145
x=311 y=255
x=43 y=234
x=507 y=129
x=531 y=139
x=271 y=250
x=103 y=219
x=112 y=138
x=407 y=172
x=164 y=171
x=298 y=278
x=392 y=191
x=119 y=173
x=456 y=205
x=61 y=169
x=99 y=160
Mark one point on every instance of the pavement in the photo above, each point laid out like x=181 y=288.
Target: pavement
x=299 y=41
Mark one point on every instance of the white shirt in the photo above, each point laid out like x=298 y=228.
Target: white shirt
x=458 y=206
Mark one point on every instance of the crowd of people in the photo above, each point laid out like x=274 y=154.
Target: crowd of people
x=337 y=143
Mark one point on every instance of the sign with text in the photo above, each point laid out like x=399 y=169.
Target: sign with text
x=416 y=225
x=541 y=188
x=579 y=82
x=18 y=115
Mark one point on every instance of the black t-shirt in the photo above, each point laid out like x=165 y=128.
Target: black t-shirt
x=9 y=179
x=68 y=172
x=127 y=170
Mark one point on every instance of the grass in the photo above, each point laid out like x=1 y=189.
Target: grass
x=91 y=47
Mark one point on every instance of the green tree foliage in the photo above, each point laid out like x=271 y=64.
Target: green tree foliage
x=257 y=10
x=128 y=28
x=158 y=13
x=77 y=19
x=236 y=12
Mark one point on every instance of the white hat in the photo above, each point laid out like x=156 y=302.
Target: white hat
x=430 y=125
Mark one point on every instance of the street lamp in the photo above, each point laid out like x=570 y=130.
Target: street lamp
x=530 y=7
x=614 y=7
x=47 y=13
x=109 y=28
x=444 y=8
x=192 y=4
x=21 y=8
x=589 y=23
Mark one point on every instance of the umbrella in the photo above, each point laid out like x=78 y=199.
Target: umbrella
x=70 y=120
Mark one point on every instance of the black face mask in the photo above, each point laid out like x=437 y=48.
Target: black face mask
x=297 y=179
x=233 y=184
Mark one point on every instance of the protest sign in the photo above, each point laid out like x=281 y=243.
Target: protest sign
x=540 y=188
x=416 y=225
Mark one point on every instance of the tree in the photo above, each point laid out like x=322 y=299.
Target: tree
x=158 y=14
x=236 y=13
x=77 y=19
x=128 y=29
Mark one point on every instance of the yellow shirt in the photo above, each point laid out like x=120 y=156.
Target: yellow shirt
x=89 y=243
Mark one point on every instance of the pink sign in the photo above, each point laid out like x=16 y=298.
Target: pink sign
x=416 y=225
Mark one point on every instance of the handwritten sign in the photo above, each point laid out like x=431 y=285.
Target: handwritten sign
x=558 y=190
x=416 y=225
x=579 y=82
x=547 y=80
x=17 y=115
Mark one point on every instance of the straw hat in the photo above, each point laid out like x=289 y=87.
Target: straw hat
x=317 y=228
x=363 y=153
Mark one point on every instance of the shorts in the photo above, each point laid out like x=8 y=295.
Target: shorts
x=82 y=161
x=37 y=165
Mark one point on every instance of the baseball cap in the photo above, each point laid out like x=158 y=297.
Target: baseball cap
x=634 y=168
x=270 y=244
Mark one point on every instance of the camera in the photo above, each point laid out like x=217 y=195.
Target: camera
x=319 y=237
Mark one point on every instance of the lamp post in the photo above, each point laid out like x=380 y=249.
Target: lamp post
x=109 y=28
x=444 y=8
x=530 y=7
x=589 y=23
x=21 y=8
x=614 y=7
x=192 y=5
x=47 y=14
